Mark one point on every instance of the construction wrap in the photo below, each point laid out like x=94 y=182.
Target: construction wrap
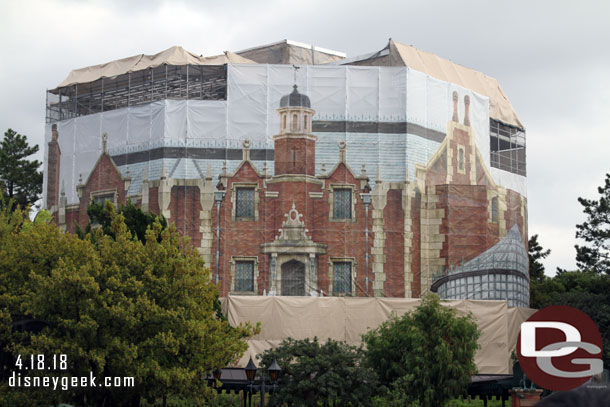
x=346 y=319
x=391 y=118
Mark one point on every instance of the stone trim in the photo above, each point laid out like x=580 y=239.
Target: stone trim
x=331 y=202
x=232 y=271
x=331 y=274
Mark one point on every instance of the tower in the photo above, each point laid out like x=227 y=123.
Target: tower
x=295 y=145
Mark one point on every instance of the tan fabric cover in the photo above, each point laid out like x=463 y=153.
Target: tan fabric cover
x=500 y=107
x=346 y=319
x=173 y=56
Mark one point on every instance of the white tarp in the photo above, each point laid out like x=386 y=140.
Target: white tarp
x=358 y=94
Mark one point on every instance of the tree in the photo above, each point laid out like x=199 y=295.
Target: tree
x=331 y=373
x=596 y=232
x=20 y=179
x=424 y=365
x=117 y=307
x=136 y=220
x=536 y=253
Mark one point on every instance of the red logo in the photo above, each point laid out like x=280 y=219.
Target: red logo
x=560 y=348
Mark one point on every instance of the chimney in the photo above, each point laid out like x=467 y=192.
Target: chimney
x=53 y=165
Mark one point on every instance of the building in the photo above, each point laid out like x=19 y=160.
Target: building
x=370 y=177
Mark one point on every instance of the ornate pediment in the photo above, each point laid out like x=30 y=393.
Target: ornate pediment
x=293 y=237
x=293 y=228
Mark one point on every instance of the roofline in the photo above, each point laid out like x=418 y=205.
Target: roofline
x=296 y=44
x=359 y=58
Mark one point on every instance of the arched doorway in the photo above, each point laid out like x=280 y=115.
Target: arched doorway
x=293 y=278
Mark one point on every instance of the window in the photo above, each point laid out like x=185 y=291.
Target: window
x=494 y=209
x=100 y=199
x=244 y=207
x=305 y=122
x=342 y=277
x=342 y=205
x=284 y=121
x=295 y=122
x=244 y=276
x=461 y=159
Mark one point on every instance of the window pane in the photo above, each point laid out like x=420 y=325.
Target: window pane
x=244 y=276
x=343 y=203
x=342 y=277
x=244 y=207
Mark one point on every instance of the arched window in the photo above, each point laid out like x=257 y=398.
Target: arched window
x=305 y=122
x=284 y=121
x=295 y=119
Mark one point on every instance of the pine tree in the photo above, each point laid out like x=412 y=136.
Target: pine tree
x=20 y=179
x=535 y=254
x=596 y=232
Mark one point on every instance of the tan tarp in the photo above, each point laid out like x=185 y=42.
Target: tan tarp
x=500 y=107
x=173 y=56
x=346 y=319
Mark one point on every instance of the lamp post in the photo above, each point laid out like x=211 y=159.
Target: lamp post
x=366 y=200
x=218 y=199
x=274 y=372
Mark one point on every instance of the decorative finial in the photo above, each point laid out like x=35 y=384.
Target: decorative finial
x=63 y=188
x=378 y=178
x=455 y=107
x=104 y=142
x=224 y=168
x=246 y=143
x=323 y=169
x=163 y=171
x=208 y=172
x=296 y=68
x=145 y=176
x=80 y=178
x=363 y=170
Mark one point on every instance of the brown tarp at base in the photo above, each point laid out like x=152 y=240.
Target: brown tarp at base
x=347 y=318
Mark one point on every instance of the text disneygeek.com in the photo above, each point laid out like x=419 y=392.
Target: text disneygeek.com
x=65 y=382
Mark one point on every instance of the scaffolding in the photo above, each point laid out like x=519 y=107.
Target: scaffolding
x=507 y=147
x=177 y=82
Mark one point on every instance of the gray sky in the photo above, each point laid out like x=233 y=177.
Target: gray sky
x=551 y=57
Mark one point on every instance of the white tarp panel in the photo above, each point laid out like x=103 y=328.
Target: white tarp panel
x=370 y=97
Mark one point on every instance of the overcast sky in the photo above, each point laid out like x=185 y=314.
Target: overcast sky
x=551 y=57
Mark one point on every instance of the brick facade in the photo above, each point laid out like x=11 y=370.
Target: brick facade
x=281 y=231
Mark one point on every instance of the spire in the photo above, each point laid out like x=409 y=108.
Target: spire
x=296 y=68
